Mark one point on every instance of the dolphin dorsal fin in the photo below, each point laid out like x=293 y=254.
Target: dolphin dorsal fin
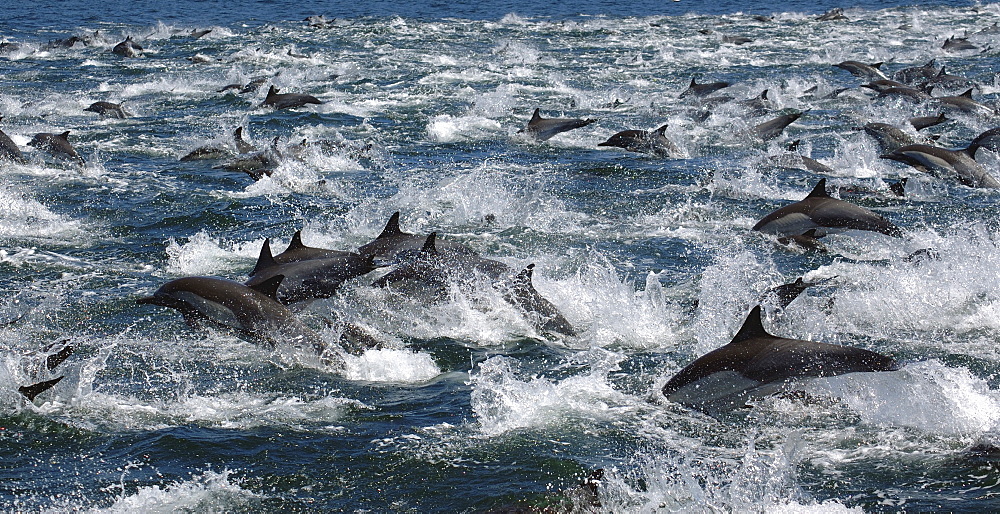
x=693 y=83
x=269 y=287
x=65 y=135
x=266 y=258
x=536 y=116
x=662 y=130
x=820 y=190
x=810 y=233
x=296 y=242
x=763 y=95
x=967 y=93
x=429 y=246
x=391 y=227
x=272 y=91
x=238 y=134
x=752 y=327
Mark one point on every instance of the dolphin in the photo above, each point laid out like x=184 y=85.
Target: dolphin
x=888 y=137
x=905 y=93
x=758 y=105
x=221 y=151
x=108 y=110
x=252 y=312
x=653 y=142
x=436 y=269
x=703 y=90
x=256 y=164
x=393 y=245
x=823 y=214
x=541 y=312
x=773 y=128
x=835 y=14
x=308 y=279
x=57 y=145
x=965 y=103
x=795 y=160
x=756 y=364
x=989 y=140
x=298 y=251
x=862 y=70
x=917 y=73
x=30 y=391
x=958 y=44
x=8 y=149
x=951 y=164
x=785 y=294
x=922 y=122
x=287 y=100
x=542 y=129
x=882 y=84
x=127 y=48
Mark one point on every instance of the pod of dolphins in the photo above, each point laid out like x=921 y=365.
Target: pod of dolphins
x=752 y=365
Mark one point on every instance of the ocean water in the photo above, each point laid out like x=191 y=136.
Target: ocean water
x=466 y=407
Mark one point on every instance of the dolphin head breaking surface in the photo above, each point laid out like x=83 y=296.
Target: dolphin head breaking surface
x=755 y=364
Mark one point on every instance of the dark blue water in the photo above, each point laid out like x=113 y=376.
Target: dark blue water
x=466 y=406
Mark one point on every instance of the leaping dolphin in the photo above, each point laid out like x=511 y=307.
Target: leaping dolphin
x=652 y=142
x=542 y=129
x=823 y=214
x=756 y=364
x=862 y=70
x=541 y=312
x=287 y=100
x=30 y=391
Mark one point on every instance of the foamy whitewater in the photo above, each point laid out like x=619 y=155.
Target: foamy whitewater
x=466 y=406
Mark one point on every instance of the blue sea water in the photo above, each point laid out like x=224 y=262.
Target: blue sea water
x=466 y=406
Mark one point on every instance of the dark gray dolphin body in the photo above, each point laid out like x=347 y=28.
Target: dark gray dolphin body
x=922 y=122
x=287 y=100
x=965 y=103
x=958 y=44
x=298 y=251
x=949 y=164
x=652 y=142
x=782 y=296
x=888 y=137
x=905 y=93
x=882 y=84
x=702 y=90
x=835 y=14
x=394 y=245
x=308 y=278
x=108 y=110
x=57 y=145
x=434 y=269
x=127 y=48
x=823 y=214
x=774 y=127
x=756 y=364
x=8 y=149
x=256 y=164
x=758 y=105
x=541 y=312
x=917 y=74
x=251 y=312
x=863 y=70
x=542 y=129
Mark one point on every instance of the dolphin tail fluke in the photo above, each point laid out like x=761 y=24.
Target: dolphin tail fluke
x=33 y=390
